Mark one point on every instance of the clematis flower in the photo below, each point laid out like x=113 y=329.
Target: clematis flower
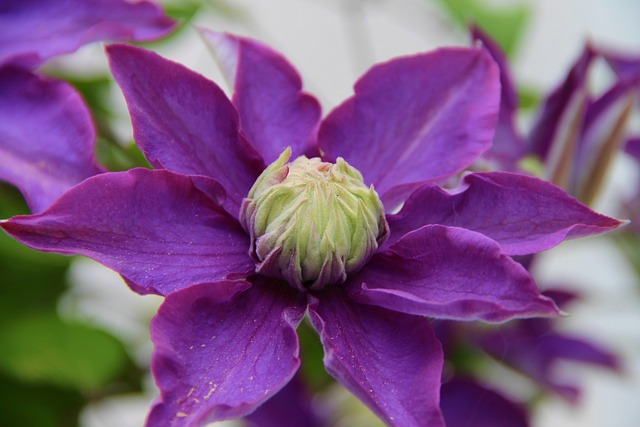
x=47 y=136
x=205 y=228
x=577 y=134
x=36 y=30
x=534 y=348
x=531 y=347
x=509 y=146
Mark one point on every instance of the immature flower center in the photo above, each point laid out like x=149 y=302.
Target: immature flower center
x=312 y=222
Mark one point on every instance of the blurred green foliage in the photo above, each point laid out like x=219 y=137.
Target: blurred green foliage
x=49 y=367
x=312 y=352
x=42 y=348
x=38 y=405
x=629 y=242
x=504 y=24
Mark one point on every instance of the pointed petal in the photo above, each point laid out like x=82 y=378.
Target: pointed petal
x=184 y=122
x=416 y=118
x=632 y=147
x=160 y=230
x=555 y=107
x=449 y=273
x=47 y=138
x=274 y=112
x=536 y=351
x=624 y=65
x=390 y=361
x=508 y=144
x=523 y=214
x=222 y=349
x=36 y=30
x=464 y=401
x=606 y=125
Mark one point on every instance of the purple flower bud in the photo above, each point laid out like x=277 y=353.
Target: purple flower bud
x=312 y=222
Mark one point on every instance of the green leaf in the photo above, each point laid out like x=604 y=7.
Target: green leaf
x=28 y=405
x=312 y=354
x=629 y=244
x=11 y=201
x=43 y=349
x=505 y=25
x=116 y=157
x=528 y=98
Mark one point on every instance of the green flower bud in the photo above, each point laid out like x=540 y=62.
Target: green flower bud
x=312 y=222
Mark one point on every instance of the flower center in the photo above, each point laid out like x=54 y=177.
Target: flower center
x=311 y=222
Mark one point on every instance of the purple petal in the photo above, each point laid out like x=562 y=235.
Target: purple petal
x=222 y=349
x=47 y=138
x=291 y=406
x=466 y=403
x=623 y=65
x=274 y=112
x=36 y=30
x=554 y=110
x=416 y=118
x=535 y=351
x=523 y=214
x=508 y=145
x=390 y=361
x=160 y=230
x=605 y=130
x=632 y=147
x=449 y=273
x=184 y=122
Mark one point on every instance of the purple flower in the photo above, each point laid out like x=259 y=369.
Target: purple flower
x=47 y=136
x=225 y=338
x=577 y=134
x=509 y=147
x=534 y=348
x=36 y=30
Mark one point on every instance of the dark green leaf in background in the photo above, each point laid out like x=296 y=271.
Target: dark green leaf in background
x=45 y=349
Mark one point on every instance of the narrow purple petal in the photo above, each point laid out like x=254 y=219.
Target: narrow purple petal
x=508 y=145
x=624 y=87
x=604 y=132
x=632 y=147
x=416 y=118
x=184 y=122
x=390 y=361
x=623 y=65
x=523 y=214
x=466 y=403
x=274 y=112
x=449 y=273
x=222 y=349
x=36 y=30
x=47 y=138
x=535 y=352
x=160 y=230
x=552 y=113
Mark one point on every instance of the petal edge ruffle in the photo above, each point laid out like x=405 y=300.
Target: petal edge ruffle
x=449 y=273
